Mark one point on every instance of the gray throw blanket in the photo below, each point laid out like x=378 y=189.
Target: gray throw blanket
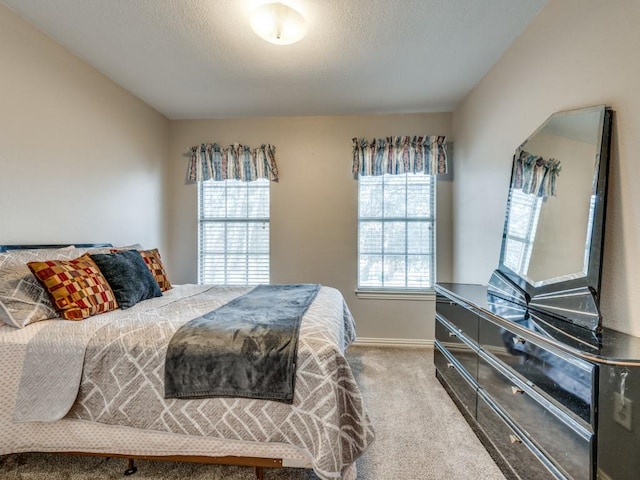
x=246 y=348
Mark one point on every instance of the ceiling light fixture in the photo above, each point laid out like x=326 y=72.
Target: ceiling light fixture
x=278 y=23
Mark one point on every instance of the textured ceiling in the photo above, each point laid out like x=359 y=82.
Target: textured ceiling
x=200 y=58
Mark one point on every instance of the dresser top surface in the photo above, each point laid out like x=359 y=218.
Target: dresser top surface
x=609 y=347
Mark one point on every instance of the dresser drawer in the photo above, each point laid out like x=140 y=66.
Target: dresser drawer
x=458 y=316
x=463 y=353
x=567 y=380
x=452 y=373
x=561 y=438
x=507 y=443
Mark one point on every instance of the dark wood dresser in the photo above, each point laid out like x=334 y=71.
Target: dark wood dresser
x=549 y=400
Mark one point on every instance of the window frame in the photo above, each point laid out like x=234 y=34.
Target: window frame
x=394 y=292
x=227 y=220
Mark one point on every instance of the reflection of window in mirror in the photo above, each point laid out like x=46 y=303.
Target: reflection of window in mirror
x=521 y=230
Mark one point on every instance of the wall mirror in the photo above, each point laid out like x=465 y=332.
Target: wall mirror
x=551 y=255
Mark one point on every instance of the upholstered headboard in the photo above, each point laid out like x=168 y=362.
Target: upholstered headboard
x=6 y=248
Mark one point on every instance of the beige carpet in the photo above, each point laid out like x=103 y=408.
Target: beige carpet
x=420 y=435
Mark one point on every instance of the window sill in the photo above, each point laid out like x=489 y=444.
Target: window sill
x=425 y=295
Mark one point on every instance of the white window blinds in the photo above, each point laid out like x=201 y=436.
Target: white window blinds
x=524 y=212
x=233 y=232
x=396 y=231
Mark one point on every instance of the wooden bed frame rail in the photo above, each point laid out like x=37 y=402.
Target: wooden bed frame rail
x=257 y=462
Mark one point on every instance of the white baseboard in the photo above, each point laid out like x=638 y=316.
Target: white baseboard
x=393 y=342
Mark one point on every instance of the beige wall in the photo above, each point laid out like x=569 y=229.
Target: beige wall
x=313 y=207
x=81 y=159
x=84 y=161
x=575 y=53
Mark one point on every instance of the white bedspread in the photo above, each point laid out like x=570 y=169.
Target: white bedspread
x=124 y=367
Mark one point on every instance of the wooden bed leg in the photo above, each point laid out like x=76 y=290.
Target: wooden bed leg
x=259 y=473
x=131 y=468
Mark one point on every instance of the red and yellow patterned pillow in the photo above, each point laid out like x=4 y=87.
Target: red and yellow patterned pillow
x=155 y=266
x=77 y=287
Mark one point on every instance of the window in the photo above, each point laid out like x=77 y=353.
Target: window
x=524 y=211
x=233 y=247
x=396 y=222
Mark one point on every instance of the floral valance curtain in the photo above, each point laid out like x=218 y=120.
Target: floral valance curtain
x=209 y=161
x=534 y=175
x=398 y=155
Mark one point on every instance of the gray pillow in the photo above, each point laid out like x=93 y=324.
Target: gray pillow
x=128 y=276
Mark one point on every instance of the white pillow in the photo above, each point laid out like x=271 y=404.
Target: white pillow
x=23 y=300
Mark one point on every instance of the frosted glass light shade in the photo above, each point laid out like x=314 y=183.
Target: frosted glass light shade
x=278 y=23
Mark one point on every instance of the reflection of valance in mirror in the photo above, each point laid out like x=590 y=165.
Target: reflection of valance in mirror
x=399 y=155
x=534 y=175
x=236 y=162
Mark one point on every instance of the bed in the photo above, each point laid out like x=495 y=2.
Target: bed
x=101 y=391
